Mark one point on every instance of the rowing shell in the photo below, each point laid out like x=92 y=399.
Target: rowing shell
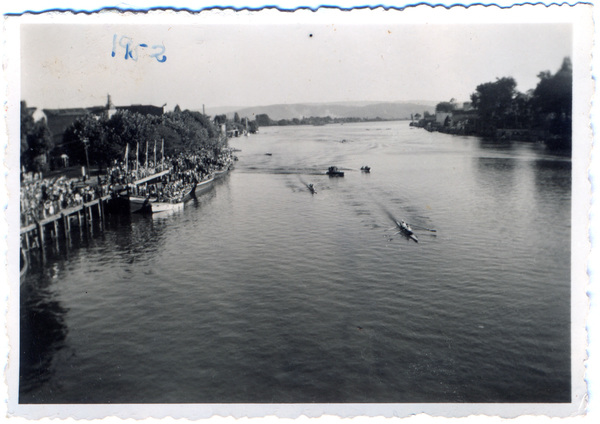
x=407 y=231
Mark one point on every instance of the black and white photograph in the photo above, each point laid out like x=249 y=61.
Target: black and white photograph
x=310 y=209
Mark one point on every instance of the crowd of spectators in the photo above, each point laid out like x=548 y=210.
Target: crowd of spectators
x=45 y=197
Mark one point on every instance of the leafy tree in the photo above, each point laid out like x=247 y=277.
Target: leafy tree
x=133 y=128
x=40 y=143
x=185 y=131
x=263 y=120
x=220 y=119
x=27 y=125
x=552 y=101
x=553 y=93
x=236 y=118
x=253 y=127
x=90 y=130
x=493 y=102
x=36 y=141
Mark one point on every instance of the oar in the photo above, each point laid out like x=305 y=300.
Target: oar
x=423 y=228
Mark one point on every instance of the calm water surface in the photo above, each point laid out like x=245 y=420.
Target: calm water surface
x=259 y=291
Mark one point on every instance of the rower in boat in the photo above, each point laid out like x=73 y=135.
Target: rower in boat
x=312 y=188
x=365 y=169
x=407 y=230
x=333 y=171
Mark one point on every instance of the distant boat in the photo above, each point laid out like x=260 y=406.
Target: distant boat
x=366 y=169
x=311 y=188
x=333 y=171
x=268 y=154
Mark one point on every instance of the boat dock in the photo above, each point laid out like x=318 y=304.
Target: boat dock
x=58 y=225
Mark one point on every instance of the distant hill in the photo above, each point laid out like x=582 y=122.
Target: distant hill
x=367 y=110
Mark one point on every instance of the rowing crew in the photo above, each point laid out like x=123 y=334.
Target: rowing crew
x=406 y=229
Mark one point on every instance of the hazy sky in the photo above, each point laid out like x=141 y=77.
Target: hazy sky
x=65 y=65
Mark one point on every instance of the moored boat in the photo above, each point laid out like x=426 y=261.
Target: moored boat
x=222 y=171
x=155 y=204
x=204 y=185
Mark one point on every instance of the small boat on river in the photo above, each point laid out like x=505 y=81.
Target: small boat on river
x=365 y=169
x=311 y=188
x=333 y=171
x=406 y=229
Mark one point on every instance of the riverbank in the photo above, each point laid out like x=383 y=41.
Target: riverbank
x=552 y=142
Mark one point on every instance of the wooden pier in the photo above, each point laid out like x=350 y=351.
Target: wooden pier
x=58 y=225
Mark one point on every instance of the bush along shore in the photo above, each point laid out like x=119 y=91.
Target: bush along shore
x=497 y=110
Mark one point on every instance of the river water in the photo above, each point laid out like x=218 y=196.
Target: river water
x=259 y=291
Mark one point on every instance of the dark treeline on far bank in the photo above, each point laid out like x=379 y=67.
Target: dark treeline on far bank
x=497 y=110
x=263 y=120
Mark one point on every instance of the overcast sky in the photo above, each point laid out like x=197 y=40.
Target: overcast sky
x=65 y=65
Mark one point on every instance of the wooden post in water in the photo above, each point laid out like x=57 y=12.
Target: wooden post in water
x=56 y=234
x=100 y=213
x=40 y=229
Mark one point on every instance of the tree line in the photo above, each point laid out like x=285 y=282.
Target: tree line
x=100 y=140
x=264 y=120
x=543 y=113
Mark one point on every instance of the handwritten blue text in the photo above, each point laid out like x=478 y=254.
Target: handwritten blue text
x=132 y=51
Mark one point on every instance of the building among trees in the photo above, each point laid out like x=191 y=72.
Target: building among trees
x=499 y=111
x=59 y=120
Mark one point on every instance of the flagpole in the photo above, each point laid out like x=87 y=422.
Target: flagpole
x=137 y=160
x=126 y=158
x=163 y=154
x=146 y=155
x=155 y=154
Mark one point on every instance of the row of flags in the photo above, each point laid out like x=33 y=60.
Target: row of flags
x=137 y=154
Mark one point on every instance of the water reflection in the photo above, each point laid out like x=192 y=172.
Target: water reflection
x=496 y=174
x=553 y=174
x=42 y=331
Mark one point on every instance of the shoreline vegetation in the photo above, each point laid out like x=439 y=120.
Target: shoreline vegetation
x=263 y=120
x=498 y=111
